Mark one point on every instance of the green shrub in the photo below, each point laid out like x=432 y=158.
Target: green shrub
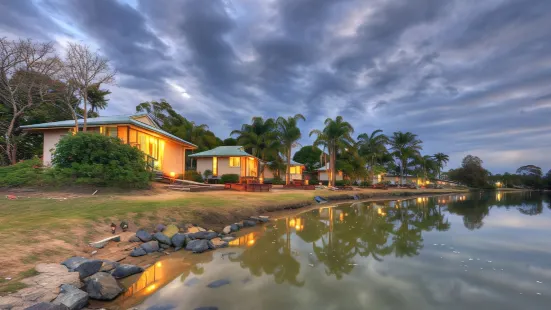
x=340 y=183
x=90 y=158
x=192 y=175
x=229 y=178
x=277 y=180
x=28 y=172
x=207 y=173
x=365 y=184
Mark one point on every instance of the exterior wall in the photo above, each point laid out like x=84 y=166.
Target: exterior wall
x=268 y=173
x=145 y=120
x=204 y=163
x=51 y=138
x=173 y=159
x=324 y=176
x=224 y=167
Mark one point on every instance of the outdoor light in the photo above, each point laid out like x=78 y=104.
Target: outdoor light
x=172 y=174
x=159 y=264
x=113 y=228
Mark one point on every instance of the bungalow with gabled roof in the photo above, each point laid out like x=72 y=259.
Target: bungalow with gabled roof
x=164 y=151
x=227 y=160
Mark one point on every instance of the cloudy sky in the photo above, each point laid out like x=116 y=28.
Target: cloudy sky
x=469 y=77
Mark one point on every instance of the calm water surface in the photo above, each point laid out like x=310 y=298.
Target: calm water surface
x=479 y=251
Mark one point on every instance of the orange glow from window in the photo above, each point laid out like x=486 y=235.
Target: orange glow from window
x=159 y=264
x=250 y=242
x=172 y=174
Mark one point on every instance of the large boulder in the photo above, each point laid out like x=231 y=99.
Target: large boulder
x=139 y=251
x=217 y=243
x=102 y=286
x=160 y=228
x=179 y=241
x=159 y=236
x=47 y=306
x=151 y=246
x=198 y=246
x=171 y=230
x=144 y=235
x=205 y=235
x=88 y=268
x=73 y=262
x=134 y=239
x=226 y=230
x=249 y=223
x=71 y=297
x=125 y=270
x=109 y=265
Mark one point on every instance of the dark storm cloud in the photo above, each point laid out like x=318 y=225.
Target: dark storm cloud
x=467 y=76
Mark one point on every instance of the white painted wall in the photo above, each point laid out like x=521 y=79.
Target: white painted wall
x=51 y=138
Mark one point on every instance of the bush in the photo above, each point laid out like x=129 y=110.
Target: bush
x=28 y=172
x=229 y=178
x=207 y=174
x=277 y=180
x=90 y=158
x=365 y=184
x=192 y=175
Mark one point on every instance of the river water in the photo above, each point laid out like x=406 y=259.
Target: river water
x=488 y=251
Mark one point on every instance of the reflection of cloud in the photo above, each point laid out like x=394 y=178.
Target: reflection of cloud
x=514 y=220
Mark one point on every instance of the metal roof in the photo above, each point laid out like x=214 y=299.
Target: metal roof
x=106 y=120
x=234 y=151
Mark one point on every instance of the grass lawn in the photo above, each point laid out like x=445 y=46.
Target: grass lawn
x=50 y=226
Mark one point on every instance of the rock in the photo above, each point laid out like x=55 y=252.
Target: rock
x=102 y=286
x=125 y=270
x=264 y=218
x=159 y=236
x=193 y=229
x=249 y=223
x=255 y=218
x=88 y=268
x=226 y=230
x=47 y=306
x=228 y=238
x=73 y=262
x=10 y=302
x=164 y=246
x=234 y=228
x=144 y=235
x=211 y=245
x=71 y=297
x=139 y=251
x=109 y=265
x=134 y=239
x=151 y=246
x=160 y=228
x=204 y=235
x=218 y=283
x=171 y=230
x=99 y=245
x=239 y=225
x=179 y=241
x=198 y=246
x=218 y=243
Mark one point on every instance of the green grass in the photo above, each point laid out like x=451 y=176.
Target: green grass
x=12 y=287
x=31 y=272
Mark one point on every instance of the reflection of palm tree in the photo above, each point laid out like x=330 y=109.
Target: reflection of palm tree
x=313 y=228
x=407 y=240
x=531 y=208
x=373 y=240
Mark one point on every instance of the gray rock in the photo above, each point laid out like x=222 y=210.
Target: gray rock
x=198 y=246
x=218 y=283
x=264 y=218
x=73 y=262
x=205 y=235
x=139 y=251
x=71 y=297
x=160 y=228
x=211 y=245
x=109 y=265
x=239 y=225
x=226 y=230
x=47 y=306
x=151 y=246
x=162 y=238
x=249 y=223
x=88 y=268
x=228 y=238
x=179 y=241
x=255 y=218
x=134 y=239
x=125 y=270
x=144 y=235
x=102 y=286
x=234 y=227
x=99 y=245
x=164 y=246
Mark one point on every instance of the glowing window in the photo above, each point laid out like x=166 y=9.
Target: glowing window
x=215 y=166
x=235 y=162
x=295 y=170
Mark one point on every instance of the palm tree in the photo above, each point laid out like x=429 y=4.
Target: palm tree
x=404 y=146
x=426 y=165
x=289 y=133
x=441 y=161
x=335 y=136
x=260 y=139
x=372 y=148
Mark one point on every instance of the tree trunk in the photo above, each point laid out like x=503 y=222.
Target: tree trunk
x=288 y=172
x=402 y=173
x=85 y=97
x=10 y=146
x=332 y=158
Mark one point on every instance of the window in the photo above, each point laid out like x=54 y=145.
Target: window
x=295 y=170
x=109 y=131
x=215 y=166
x=235 y=162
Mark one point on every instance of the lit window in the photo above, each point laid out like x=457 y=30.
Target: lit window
x=215 y=166
x=295 y=170
x=235 y=162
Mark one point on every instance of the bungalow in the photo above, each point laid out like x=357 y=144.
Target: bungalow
x=164 y=152
x=227 y=160
x=296 y=171
x=323 y=174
